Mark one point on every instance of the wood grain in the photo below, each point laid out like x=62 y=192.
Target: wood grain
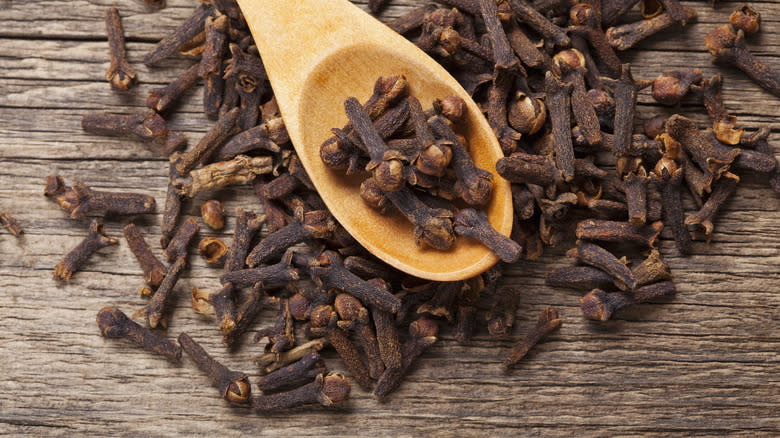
x=702 y=363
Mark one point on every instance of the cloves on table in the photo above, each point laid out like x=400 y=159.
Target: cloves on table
x=188 y=30
x=598 y=257
x=355 y=318
x=329 y=272
x=10 y=223
x=422 y=334
x=81 y=200
x=669 y=176
x=474 y=224
x=147 y=126
x=626 y=36
x=729 y=47
x=154 y=270
x=598 y=305
x=233 y=385
x=613 y=231
x=324 y=321
x=307 y=368
x=161 y=99
x=326 y=389
x=94 y=241
x=156 y=309
x=240 y=170
x=113 y=323
x=120 y=74
x=547 y=322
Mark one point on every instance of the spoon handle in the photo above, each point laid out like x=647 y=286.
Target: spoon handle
x=294 y=36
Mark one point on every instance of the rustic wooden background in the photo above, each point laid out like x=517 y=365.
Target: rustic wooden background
x=702 y=363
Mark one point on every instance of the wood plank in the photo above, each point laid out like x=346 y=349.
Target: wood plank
x=704 y=362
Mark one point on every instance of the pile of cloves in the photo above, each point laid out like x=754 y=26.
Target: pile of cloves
x=562 y=106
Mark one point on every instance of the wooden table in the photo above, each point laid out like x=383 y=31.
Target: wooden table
x=702 y=363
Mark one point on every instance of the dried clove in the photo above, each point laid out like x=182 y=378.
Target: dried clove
x=268 y=135
x=704 y=217
x=270 y=361
x=728 y=47
x=188 y=30
x=559 y=104
x=598 y=305
x=154 y=270
x=712 y=161
x=501 y=316
x=326 y=389
x=598 y=257
x=626 y=36
x=94 y=241
x=538 y=22
x=233 y=385
x=307 y=368
x=315 y=224
x=240 y=170
x=325 y=321
x=10 y=223
x=669 y=176
x=626 y=91
x=147 y=126
x=269 y=276
x=548 y=321
x=329 y=272
x=653 y=269
x=113 y=323
x=474 y=224
x=209 y=143
x=156 y=308
x=626 y=232
x=177 y=247
x=670 y=87
x=81 y=200
x=172 y=209
x=161 y=99
x=746 y=19
x=432 y=226
x=355 y=318
x=579 y=277
x=422 y=334
x=387 y=339
x=120 y=74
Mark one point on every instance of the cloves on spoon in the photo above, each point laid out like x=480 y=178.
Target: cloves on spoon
x=314 y=63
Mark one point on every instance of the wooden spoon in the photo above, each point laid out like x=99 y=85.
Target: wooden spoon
x=317 y=53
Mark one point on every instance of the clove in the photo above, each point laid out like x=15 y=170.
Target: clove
x=113 y=323
x=94 y=241
x=547 y=322
x=233 y=385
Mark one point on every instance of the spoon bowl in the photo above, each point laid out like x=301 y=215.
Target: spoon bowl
x=317 y=54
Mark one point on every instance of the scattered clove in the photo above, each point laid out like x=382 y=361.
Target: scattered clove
x=326 y=389
x=233 y=385
x=120 y=74
x=81 y=200
x=154 y=270
x=10 y=223
x=548 y=321
x=94 y=241
x=113 y=323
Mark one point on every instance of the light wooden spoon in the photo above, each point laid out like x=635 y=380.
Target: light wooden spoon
x=319 y=52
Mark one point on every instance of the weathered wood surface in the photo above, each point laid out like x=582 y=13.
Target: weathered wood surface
x=702 y=363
